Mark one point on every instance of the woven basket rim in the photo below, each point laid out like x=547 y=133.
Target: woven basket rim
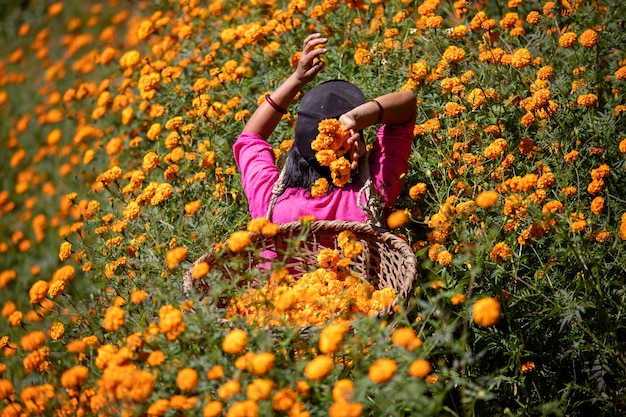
x=390 y=240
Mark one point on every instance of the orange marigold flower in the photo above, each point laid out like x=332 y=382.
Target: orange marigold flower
x=454 y=54
x=597 y=205
x=175 y=256
x=38 y=292
x=114 y=318
x=521 y=58
x=260 y=389
x=501 y=252
x=331 y=337
x=318 y=368
x=577 y=222
x=155 y=358
x=567 y=40
x=200 y=270
x=620 y=74
x=382 y=370
x=476 y=97
x=238 y=241
x=213 y=409
x=261 y=363
x=187 y=379
x=587 y=100
x=284 y=399
x=57 y=331
x=235 y=342
x=486 y=311
x=457 y=299
x=171 y=322
x=418 y=190
x=405 y=337
x=588 y=38
x=420 y=368
x=398 y=218
x=65 y=251
x=75 y=377
x=320 y=188
x=533 y=17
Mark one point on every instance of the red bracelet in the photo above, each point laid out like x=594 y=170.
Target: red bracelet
x=274 y=105
x=380 y=111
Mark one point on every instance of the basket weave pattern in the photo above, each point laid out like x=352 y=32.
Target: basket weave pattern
x=386 y=260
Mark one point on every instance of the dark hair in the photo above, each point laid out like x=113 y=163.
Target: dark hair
x=302 y=174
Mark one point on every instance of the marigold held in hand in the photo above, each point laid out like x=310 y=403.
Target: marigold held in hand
x=486 y=311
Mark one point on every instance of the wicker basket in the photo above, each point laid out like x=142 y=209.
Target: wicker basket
x=386 y=259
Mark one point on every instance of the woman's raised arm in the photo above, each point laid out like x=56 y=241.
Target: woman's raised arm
x=266 y=117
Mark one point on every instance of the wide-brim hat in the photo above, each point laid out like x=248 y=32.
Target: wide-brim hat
x=327 y=100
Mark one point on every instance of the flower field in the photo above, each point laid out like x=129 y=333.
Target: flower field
x=117 y=119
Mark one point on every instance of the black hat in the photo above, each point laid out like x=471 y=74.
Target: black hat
x=327 y=100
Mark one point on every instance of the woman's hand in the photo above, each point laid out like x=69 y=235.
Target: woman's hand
x=310 y=63
x=357 y=146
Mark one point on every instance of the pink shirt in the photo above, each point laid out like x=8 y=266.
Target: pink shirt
x=388 y=161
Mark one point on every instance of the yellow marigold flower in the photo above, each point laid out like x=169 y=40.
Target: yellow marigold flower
x=238 y=241
x=521 y=58
x=318 y=368
x=187 y=379
x=587 y=100
x=420 y=368
x=382 y=370
x=567 y=40
x=320 y=188
x=331 y=337
x=486 y=311
x=38 y=292
x=398 y=218
x=284 y=399
x=65 y=251
x=588 y=38
x=235 y=342
x=114 y=318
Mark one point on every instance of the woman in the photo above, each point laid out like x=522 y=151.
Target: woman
x=387 y=161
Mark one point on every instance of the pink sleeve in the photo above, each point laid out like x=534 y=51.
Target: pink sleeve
x=255 y=159
x=389 y=159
